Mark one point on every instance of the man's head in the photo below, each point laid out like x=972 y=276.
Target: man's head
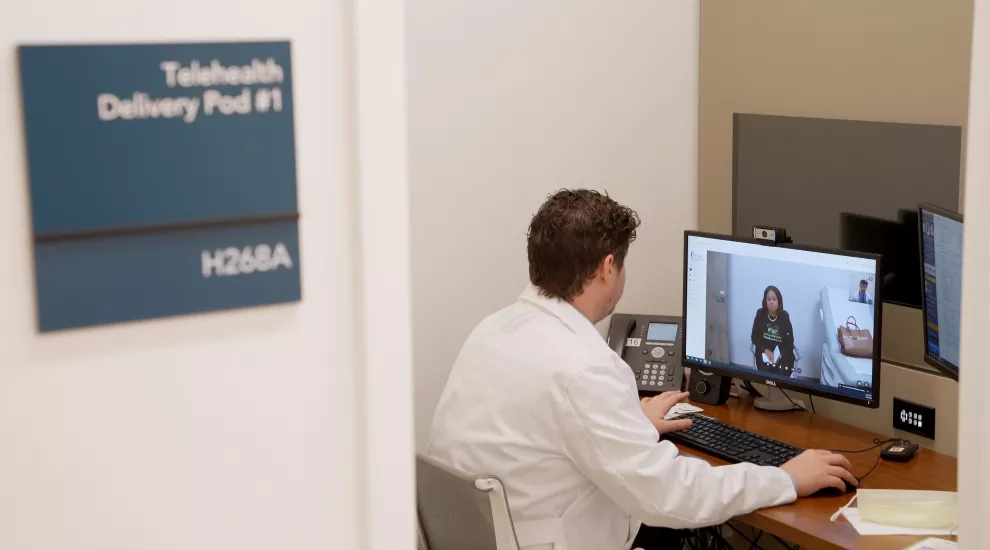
x=577 y=245
x=863 y=285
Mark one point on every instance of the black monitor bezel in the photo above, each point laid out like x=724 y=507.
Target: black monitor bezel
x=942 y=366
x=872 y=403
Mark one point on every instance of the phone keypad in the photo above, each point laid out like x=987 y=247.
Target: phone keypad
x=655 y=374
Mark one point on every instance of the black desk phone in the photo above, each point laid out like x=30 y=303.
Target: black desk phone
x=652 y=347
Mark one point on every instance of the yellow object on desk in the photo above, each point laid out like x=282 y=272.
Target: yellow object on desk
x=907 y=508
x=934 y=544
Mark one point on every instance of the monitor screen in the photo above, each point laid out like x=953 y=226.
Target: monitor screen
x=794 y=318
x=941 y=251
x=663 y=332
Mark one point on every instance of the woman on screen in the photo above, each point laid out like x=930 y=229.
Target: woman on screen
x=773 y=335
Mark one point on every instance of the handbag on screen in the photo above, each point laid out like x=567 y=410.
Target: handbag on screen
x=855 y=342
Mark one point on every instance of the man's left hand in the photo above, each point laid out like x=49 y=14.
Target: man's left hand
x=655 y=408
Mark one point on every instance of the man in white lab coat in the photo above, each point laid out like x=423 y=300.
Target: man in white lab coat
x=537 y=398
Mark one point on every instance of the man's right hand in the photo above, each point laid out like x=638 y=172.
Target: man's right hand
x=815 y=470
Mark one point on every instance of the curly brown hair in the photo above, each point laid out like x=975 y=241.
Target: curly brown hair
x=570 y=235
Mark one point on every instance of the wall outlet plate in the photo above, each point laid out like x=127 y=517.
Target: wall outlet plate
x=915 y=418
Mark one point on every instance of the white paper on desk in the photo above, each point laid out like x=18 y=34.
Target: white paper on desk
x=869 y=528
x=681 y=409
x=935 y=544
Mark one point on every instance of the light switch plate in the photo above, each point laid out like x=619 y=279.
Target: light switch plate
x=915 y=418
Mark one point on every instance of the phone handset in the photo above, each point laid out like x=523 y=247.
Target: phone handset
x=620 y=333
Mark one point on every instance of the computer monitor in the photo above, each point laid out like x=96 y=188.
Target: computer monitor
x=941 y=240
x=782 y=164
x=796 y=318
x=893 y=240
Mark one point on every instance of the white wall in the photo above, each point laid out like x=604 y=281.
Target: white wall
x=974 y=384
x=509 y=101
x=387 y=467
x=220 y=431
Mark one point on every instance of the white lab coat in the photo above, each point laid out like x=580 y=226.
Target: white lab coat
x=537 y=398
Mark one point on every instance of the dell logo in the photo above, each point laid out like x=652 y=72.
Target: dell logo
x=771 y=383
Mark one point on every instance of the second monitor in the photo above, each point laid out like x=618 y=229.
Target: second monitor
x=803 y=319
x=941 y=235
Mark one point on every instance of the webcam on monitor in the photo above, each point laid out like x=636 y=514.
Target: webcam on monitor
x=765 y=234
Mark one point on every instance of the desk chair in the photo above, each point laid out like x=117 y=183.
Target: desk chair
x=459 y=511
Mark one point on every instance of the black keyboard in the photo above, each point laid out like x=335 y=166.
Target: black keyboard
x=733 y=444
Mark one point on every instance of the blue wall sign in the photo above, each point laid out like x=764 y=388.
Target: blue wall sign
x=162 y=179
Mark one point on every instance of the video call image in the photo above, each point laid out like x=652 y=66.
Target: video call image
x=793 y=320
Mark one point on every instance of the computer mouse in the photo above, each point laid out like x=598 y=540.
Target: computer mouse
x=832 y=491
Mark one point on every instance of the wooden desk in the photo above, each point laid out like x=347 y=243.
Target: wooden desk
x=806 y=522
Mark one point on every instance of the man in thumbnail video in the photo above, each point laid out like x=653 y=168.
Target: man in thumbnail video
x=862 y=296
x=773 y=335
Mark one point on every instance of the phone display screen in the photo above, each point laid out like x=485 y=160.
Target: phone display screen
x=664 y=332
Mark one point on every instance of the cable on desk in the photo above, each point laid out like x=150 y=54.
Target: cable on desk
x=792 y=401
x=748 y=386
x=751 y=389
x=876 y=443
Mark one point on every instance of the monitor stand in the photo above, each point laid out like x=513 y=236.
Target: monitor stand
x=774 y=400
